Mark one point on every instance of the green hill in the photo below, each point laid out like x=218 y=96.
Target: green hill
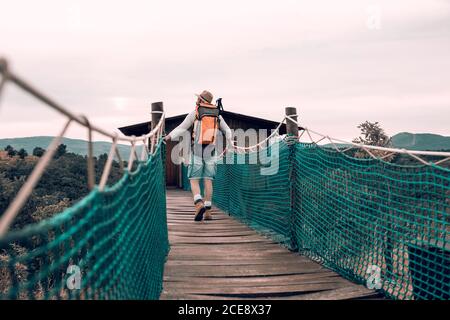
x=421 y=141
x=406 y=140
x=76 y=146
x=413 y=141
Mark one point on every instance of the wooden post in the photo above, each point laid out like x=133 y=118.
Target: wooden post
x=292 y=136
x=157 y=109
x=291 y=127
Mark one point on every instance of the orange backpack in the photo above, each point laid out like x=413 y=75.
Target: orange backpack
x=206 y=123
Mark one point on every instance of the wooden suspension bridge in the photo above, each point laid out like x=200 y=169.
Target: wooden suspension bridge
x=218 y=259
x=225 y=259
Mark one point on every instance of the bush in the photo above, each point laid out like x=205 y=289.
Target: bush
x=38 y=152
x=63 y=183
x=11 y=151
x=22 y=153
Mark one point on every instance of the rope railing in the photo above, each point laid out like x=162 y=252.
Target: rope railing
x=111 y=244
x=413 y=153
x=387 y=151
x=384 y=224
x=259 y=145
x=16 y=205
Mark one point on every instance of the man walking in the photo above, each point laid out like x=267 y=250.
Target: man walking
x=203 y=124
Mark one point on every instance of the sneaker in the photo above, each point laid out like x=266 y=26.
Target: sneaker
x=199 y=210
x=208 y=213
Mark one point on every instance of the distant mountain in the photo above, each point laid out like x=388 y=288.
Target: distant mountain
x=77 y=146
x=412 y=141
x=337 y=145
x=421 y=141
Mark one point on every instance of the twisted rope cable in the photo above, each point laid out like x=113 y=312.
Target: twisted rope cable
x=413 y=153
x=24 y=192
x=108 y=165
x=367 y=148
x=16 y=205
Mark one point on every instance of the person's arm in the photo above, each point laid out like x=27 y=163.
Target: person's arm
x=225 y=129
x=182 y=128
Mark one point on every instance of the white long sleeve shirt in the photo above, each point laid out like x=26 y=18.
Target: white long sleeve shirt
x=188 y=122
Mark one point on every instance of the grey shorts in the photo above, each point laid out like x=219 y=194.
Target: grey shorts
x=200 y=167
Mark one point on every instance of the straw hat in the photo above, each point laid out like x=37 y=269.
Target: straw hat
x=205 y=96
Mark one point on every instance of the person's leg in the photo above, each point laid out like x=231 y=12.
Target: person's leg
x=209 y=174
x=194 y=174
x=195 y=187
x=198 y=200
x=207 y=183
x=195 y=170
x=208 y=196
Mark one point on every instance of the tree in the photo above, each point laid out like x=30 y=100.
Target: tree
x=63 y=182
x=11 y=151
x=22 y=153
x=62 y=150
x=373 y=134
x=38 y=152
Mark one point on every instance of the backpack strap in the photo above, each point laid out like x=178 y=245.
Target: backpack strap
x=219 y=105
x=193 y=124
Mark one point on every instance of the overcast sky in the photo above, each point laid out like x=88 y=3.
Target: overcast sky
x=339 y=62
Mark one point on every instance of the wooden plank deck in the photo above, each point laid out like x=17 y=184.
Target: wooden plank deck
x=224 y=259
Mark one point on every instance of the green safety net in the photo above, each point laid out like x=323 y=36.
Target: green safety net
x=385 y=225
x=262 y=201
x=111 y=245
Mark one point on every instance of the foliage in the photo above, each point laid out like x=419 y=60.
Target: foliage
x=60 y=151
x=11 y=151
x=63 y=183
x=373 y=134
x=38 y=152
x=22 y=153
x=77 y=146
